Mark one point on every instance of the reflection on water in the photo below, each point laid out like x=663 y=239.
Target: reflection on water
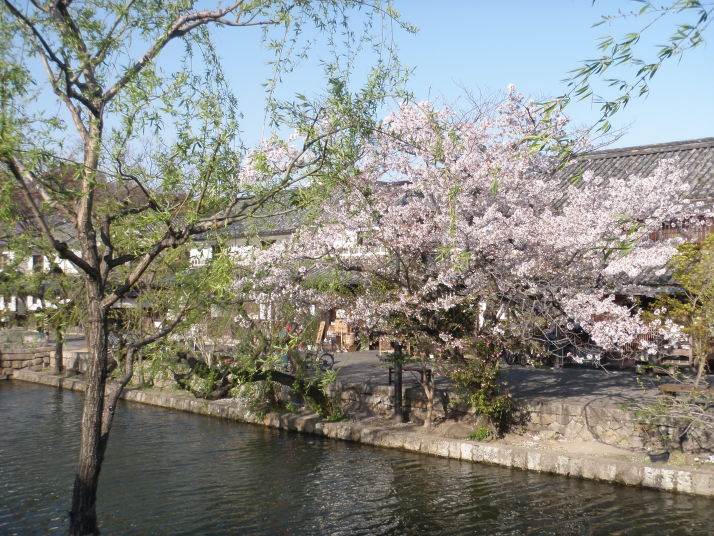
x=175 y=473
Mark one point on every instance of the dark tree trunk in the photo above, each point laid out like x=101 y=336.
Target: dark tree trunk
x=700 y=360
x=398 y=360
x=398 y=402
x=428 y=387
x=59 y=352
x=142 y=381
x=83 y=516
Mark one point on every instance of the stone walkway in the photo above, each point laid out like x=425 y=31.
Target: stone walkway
x=577 y=386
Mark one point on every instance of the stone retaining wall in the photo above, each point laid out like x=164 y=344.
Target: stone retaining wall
x=13 y=359
x=364 y=400
x=549 y=419
x=684 y=480
x=17 y=337
x=76 y=360
x=605 y=424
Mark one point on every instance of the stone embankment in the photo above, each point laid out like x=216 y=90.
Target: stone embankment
x=30 y=350
x=17 y=358
x=553 y=419
x=698 y=480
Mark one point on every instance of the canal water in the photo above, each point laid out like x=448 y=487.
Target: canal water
x=173 y=473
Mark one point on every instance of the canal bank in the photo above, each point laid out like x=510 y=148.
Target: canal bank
x=595 y=462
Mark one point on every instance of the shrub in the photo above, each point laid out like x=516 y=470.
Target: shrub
x=476 y=383
x=481 y=433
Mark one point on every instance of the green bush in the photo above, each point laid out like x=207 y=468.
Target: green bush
x=482 y=433
x=476 y=383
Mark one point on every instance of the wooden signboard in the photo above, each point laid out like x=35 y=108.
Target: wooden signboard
x=320 y=332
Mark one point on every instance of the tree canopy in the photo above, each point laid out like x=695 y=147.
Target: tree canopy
x=452 y=226
x=144 y=155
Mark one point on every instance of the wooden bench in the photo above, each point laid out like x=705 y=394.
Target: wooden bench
x=422 y=372
x=673 y=389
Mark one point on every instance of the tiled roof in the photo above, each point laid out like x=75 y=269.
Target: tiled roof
x=696 y=157
x=272 y=224
x=279 y=217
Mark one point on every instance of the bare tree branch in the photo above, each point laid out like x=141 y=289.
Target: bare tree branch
x=165 y=329
x=113 y=391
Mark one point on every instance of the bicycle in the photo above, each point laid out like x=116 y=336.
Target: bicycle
x=324 y=360
x=310 y=360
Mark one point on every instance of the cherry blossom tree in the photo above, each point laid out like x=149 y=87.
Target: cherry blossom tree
x=451 y=226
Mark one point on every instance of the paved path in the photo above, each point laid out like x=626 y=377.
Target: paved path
x=576 y=385
x=570 y=385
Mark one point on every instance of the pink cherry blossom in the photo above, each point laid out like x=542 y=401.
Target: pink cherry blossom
x=451 y=215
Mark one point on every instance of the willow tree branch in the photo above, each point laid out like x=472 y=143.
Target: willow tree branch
x=165 y=330
x=181 y=26
x=27 y=23
x=108 y=40
x=23 y=177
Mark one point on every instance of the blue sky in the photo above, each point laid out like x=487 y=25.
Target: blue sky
x=534 y=44
x=482 y=46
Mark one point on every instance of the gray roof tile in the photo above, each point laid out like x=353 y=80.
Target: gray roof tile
x=696 y=157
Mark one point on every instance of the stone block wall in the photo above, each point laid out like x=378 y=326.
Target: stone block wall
x=605 y=424
x=17 y=337
x=363 y=400
x=18 y=358
x=692 y=480
x=550 y=420
x=74 y=360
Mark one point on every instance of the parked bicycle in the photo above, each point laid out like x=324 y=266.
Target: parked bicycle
x=313 y=360
x=322 y=360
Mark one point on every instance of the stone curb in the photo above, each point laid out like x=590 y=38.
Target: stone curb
x=629 y=473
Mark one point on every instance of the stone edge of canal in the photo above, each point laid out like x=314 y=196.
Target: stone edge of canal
x=619 y=472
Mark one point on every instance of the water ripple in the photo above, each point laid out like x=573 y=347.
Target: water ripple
x=174 y=473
